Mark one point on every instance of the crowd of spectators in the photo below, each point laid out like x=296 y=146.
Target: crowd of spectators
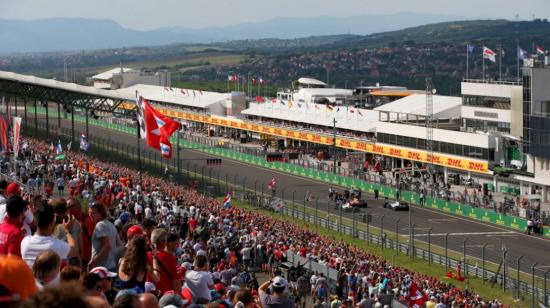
x=119 y=238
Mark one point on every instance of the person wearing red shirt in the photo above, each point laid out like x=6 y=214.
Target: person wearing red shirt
x=166 y=261
x=192 y=225
x=87 y=231
x=11 y=233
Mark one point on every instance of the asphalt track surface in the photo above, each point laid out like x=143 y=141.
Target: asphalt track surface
x=478 y=234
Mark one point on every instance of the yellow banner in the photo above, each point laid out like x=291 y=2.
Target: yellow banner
x=462 y=163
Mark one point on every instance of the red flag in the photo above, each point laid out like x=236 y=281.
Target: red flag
x=4 y=133
x=416 y=297
x=260 y=99
x=254 y=81
x=158 y=129
x=271 y=185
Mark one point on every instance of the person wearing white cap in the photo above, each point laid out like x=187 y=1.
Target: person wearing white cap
x=106 y=282
x=278 y=296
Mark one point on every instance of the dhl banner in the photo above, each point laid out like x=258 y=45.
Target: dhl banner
x=479 y=166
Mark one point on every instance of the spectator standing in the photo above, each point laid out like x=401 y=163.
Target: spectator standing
x=11 y=234
x=166 y=262
x=104 y=239
x=61 y=213
x=42 y=240
x=134 y=270
x=46 y=269
x=199 y=280
x=277 y=296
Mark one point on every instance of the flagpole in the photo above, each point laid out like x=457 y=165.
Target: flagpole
x=138 y=141
x=483 y=69
x=500 y=63
x=517 y=59
x=467 y=60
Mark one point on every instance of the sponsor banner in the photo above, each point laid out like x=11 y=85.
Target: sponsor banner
x=461 y=163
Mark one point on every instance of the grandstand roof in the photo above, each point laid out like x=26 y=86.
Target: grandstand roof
x=317 y=114
x=178 y=96
x=73 y=87
x=443 y=106
x=306 y=80
x=107 y=75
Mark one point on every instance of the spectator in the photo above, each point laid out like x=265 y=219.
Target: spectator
x=61 y=213
x=106 y=282
x=243 y=299
x=11 y=234
x=166 y=262
x=15 y=290
x=149 y=300
x=199 y=280
x=104 y=239
x=277 y=296
x=46 y=269
x=130 y=233
x=70 y=273
x=66 y=295
x=42 y=240
x=127 y=300
x=134 y=269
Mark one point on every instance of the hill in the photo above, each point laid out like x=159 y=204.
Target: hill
x=69 y=34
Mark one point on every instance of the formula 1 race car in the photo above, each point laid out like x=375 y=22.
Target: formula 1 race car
x=396 y=205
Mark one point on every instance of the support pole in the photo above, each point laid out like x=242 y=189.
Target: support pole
x=35 y=119
x=334 y=144
x=25 y=114
x=87 y=127
x=178 y=167
x=47 y=123
x=15 y=105
x=72 y=123
x=59 y=115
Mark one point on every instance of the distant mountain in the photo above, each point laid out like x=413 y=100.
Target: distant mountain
x=63 y=34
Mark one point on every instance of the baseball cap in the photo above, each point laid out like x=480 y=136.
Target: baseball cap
x=279 y=283
x=124 y=217
x=13 y=189
x=133 y=231
x=103 y=272
x=13 y=266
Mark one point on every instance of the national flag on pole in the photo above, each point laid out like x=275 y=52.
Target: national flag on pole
x=83 y=143
x=155 y=127
x=52 y=148
x=69 y=145
x=489 y=54
x=470 y=48
x=522 y=54
x=4 y=133
x=541 y=51
x=227 y=200
x=59 y=148
x=277 y=204
x=272 y=184
x=16 y=134
x=254 y=81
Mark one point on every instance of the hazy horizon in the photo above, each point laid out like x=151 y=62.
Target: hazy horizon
x=213 y=13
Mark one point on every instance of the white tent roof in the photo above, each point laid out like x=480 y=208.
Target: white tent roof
x=316 y=114
x=178 y=96
x=107 y=75
x=306 y=80
x=448 y=106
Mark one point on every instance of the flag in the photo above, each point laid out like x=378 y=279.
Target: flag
x=272 y=184
x=182 y=91
x=489 y=54
x=4 y=133
x=59 y=148
x=83 y=143
x=273 y=100
x=277 y=204
x=522 y=54
x=227 y=200
x=470 y=48
x=157 y=127
x=254 y=81
x=16 y=134
x=52 y=148
x=290 y=104
x=329 y=107
x=260 y=99
x=541 y=51
x=69 y=145
x=415 y=297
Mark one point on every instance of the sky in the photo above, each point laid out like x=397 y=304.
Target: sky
x=152 y=14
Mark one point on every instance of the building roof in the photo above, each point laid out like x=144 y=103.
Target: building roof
x=443 y=106
x=306 y=80
x=177 y=96
x=107 y=75
x=317 y=114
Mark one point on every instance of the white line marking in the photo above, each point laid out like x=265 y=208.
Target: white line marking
x=468 y=233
